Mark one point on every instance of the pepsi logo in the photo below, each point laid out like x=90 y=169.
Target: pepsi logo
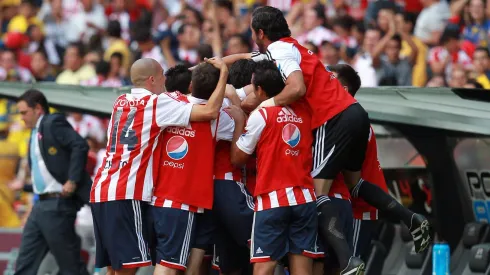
x=291 y=135
x=177 y=148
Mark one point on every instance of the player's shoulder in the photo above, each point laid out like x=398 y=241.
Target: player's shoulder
x=281 y=50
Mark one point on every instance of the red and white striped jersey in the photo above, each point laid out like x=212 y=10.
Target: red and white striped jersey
x=284 y=197
x=370 y=171
x=137 y=119
x=439 y=54
x=282 y=136
x=182 y=182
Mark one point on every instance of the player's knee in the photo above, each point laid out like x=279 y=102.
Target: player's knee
x=300 y=264
x=266 y=268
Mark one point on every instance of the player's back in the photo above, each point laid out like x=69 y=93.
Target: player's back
x=325 y=95
x=126 y=172
x=284 y=150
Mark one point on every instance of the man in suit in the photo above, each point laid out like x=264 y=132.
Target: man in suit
x=57 y=157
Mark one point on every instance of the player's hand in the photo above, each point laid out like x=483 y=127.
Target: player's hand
x=217 y=62
x=236 y=112
x=68 y=188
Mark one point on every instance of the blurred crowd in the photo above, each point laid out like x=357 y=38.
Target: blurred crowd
x=419 y=43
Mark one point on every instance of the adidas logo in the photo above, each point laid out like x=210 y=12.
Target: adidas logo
x=259 y=251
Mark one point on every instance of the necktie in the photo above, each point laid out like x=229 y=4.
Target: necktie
x=36 y=176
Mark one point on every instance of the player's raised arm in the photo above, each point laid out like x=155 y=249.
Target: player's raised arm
x=211 y=110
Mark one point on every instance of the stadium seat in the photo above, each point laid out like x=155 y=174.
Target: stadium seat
x=402 y=259
x=479 y=260
x=473 y=234
x=379 y=249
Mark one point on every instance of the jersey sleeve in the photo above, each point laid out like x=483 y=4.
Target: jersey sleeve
x=172 y=112
x=286 y=56
x=226 y=126
x=255 y=125
x=241 y=93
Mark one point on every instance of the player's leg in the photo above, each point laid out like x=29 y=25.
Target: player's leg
x=269 y=239
x=417 y=224
x=303 y=247
x=330 y=153
x=110 y=271
x=195 y=261
x=363 y=234
x=121 y=233
x=205 y=227
x=318 y=267
x=233 y=210
x=175 y=232
x=355 y=121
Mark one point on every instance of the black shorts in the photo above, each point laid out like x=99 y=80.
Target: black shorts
x=340 y=144
x=283 y=230
x=121 y=234
x=363 y=235
x=233 y=213
x=175 y=234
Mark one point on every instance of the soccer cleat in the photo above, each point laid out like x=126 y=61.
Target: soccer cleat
x=354 y=267
x=420 y=230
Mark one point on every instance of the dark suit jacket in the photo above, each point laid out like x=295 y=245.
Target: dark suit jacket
x=65 y=154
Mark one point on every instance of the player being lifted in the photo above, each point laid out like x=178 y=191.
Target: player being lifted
x=285 y=219
x=340 y=128
x=124 y=183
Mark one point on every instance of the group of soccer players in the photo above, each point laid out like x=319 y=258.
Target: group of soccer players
x=175 y=184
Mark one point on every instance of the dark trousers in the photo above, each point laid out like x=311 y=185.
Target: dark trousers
x=51 y=226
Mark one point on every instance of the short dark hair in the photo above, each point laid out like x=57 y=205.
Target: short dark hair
x=204 y=51
x=80 y=48
x=227 y=4
x=271 y=21
x=243 y=39
x=103 y=68
x=267 y=76
x=347 y=77
x=205 y=77
x=483 y=49
x=398 y=39
x=117 y=55
x=359 y=25
x=410 y=17
x=344 y=21
x=181 y=29
x=451 y=32
x=196 y=13
x=240 y=74
x=178 y=79
x=320 y=12
x=114 y=29
x=32 y=97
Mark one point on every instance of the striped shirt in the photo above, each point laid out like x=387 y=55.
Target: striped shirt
x=137 y=119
